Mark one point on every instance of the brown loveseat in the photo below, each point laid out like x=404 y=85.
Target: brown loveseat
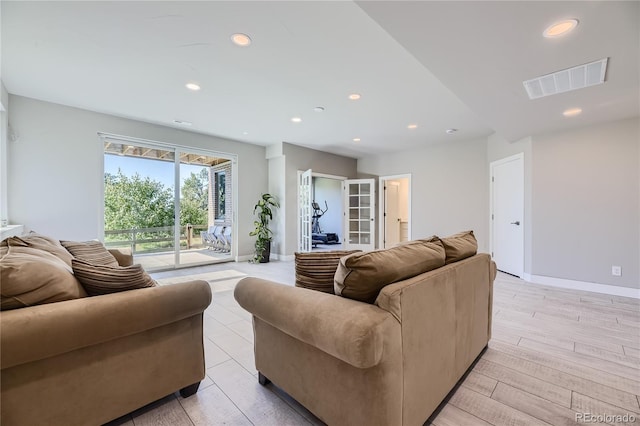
x=391 y=362
x=90 y=360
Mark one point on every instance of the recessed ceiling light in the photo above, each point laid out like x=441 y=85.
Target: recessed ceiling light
x=245 y=133
x=412 y=126
x=241 y=39
x=192 y=86
x=354 y=96
x=572 y=112
x=560 y=28
x=451 y=131
x=318 y=109
x=296 y=119
x=356 y=139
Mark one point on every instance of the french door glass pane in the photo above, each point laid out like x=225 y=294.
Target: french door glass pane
x=359 y=213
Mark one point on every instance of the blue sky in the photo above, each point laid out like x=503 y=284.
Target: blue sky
x=161 y=171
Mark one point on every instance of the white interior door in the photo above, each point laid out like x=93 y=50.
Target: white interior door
x=391 y=215
x=304 y=211
x=359 y=219
x=507 y=201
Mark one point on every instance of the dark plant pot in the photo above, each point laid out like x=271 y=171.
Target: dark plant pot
x=266 y=253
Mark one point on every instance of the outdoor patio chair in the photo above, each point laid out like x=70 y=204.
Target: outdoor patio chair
x=218 y=235
x=207 y=240
x=226 y=235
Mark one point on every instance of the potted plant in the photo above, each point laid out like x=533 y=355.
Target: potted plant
x=264 y=208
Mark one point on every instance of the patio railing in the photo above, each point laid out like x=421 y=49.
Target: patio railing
x=153 y=240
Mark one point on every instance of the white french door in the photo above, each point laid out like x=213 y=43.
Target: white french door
x=359 y=218
x=507 y=214
x=304 y=211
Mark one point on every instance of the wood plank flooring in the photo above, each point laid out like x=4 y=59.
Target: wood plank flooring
x=554 y=353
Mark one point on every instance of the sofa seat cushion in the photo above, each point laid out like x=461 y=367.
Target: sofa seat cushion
x=41 y=242
x=361 y=276
x=93 y=252
x=315 y=270
x=102 y=279
x=33 y=277
x=459 y=246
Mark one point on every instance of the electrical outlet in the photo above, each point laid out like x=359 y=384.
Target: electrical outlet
x=616 y=271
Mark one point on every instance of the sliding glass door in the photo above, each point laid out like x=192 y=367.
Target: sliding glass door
x=171 y=206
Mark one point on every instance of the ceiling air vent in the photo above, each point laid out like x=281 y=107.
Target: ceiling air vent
x=566 y=80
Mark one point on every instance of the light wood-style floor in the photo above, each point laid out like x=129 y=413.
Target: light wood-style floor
x=554 y=353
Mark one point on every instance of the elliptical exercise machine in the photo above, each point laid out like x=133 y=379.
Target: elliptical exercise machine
x=317 y=236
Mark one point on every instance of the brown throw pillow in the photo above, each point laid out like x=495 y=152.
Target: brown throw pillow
x=102 y=279
x=42 y=242
x=361 y=276
x=93 y=252
x=33 y=277
x=459 y=246
x=315 y=270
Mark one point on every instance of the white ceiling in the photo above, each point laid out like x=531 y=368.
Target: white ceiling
x=436 y=64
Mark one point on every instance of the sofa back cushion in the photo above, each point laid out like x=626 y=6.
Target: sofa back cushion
x=361 y=276
x=41 y=242
x=34 y=277
x=315 y=270
x=459 y=246
x=93 y=252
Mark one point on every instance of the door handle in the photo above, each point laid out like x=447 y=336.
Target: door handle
x=517 y=222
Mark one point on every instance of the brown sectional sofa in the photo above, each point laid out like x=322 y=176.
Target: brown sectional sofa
x=387 y=363
x=90 y=360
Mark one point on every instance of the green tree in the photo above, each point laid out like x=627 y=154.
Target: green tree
x=194 y=200
x=136 y=202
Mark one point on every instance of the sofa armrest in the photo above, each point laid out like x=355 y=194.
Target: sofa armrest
x=346 y=329
x=43 y=331
x=124 y=256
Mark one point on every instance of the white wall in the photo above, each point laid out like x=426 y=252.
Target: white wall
x=277 y=188
x=586 y=212
x=449 y=184
x=582 y=197
x=4 y=129
x=329 y=190
x=56 y=168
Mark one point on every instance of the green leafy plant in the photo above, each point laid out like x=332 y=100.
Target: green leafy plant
x=264 y=209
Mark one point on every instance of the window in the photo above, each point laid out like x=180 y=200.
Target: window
x=221 y=182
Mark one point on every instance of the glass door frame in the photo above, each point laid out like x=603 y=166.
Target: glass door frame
x=177 y=150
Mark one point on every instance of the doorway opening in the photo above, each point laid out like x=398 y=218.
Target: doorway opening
x=347 y=219
x=326 y=217
x=395 y=210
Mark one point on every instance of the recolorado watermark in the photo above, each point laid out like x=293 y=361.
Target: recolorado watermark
x=605 y=418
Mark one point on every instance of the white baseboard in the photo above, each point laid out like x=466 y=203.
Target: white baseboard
x=583 y=285
x=282 y=257
x=273 y=256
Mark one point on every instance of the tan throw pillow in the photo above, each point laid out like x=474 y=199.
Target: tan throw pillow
x=33 y=277
x=361 y=276
x=459 y=246
x=101 y=279
x=93 y=252
x=315 y=270
x=42 y=242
